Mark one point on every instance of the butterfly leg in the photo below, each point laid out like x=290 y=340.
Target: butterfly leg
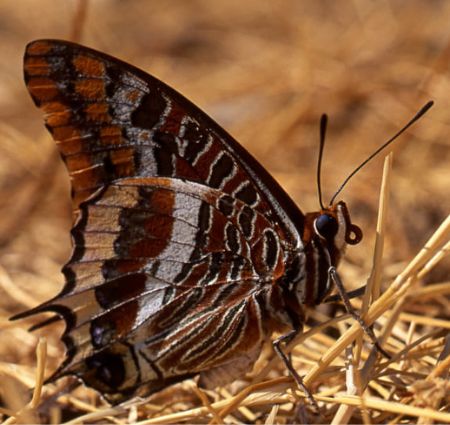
x=350 y=294
x=350 y=310
x=286 y=339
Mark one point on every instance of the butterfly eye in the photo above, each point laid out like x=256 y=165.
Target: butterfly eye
x=326 y=226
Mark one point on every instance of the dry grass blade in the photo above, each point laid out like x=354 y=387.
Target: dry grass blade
x=79 y=20
x=27 y=414
x=390 y=406
x=373 y=288
x=270 y=420
x=204 y=399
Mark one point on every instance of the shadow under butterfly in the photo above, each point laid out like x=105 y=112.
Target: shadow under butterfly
x=187 y=254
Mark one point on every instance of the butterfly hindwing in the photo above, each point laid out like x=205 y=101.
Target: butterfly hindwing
x=201 y=285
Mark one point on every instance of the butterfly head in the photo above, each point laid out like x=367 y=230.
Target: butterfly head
x=333 y=225
x=331 y=230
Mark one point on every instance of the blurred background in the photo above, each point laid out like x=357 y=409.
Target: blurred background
x=265 y=71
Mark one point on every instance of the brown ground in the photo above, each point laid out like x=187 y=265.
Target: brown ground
x=265 y=70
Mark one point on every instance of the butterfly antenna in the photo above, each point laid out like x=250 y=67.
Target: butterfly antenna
x=419 y=114
x=323 y=130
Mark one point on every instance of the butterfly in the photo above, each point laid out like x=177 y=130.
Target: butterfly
x=187 y=254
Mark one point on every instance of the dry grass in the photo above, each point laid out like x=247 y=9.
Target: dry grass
x=266 y=71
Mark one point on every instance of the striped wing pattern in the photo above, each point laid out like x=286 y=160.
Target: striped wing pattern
x=180 y=236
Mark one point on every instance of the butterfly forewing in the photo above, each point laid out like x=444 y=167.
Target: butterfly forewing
x=112 y=120
x=180 y=234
